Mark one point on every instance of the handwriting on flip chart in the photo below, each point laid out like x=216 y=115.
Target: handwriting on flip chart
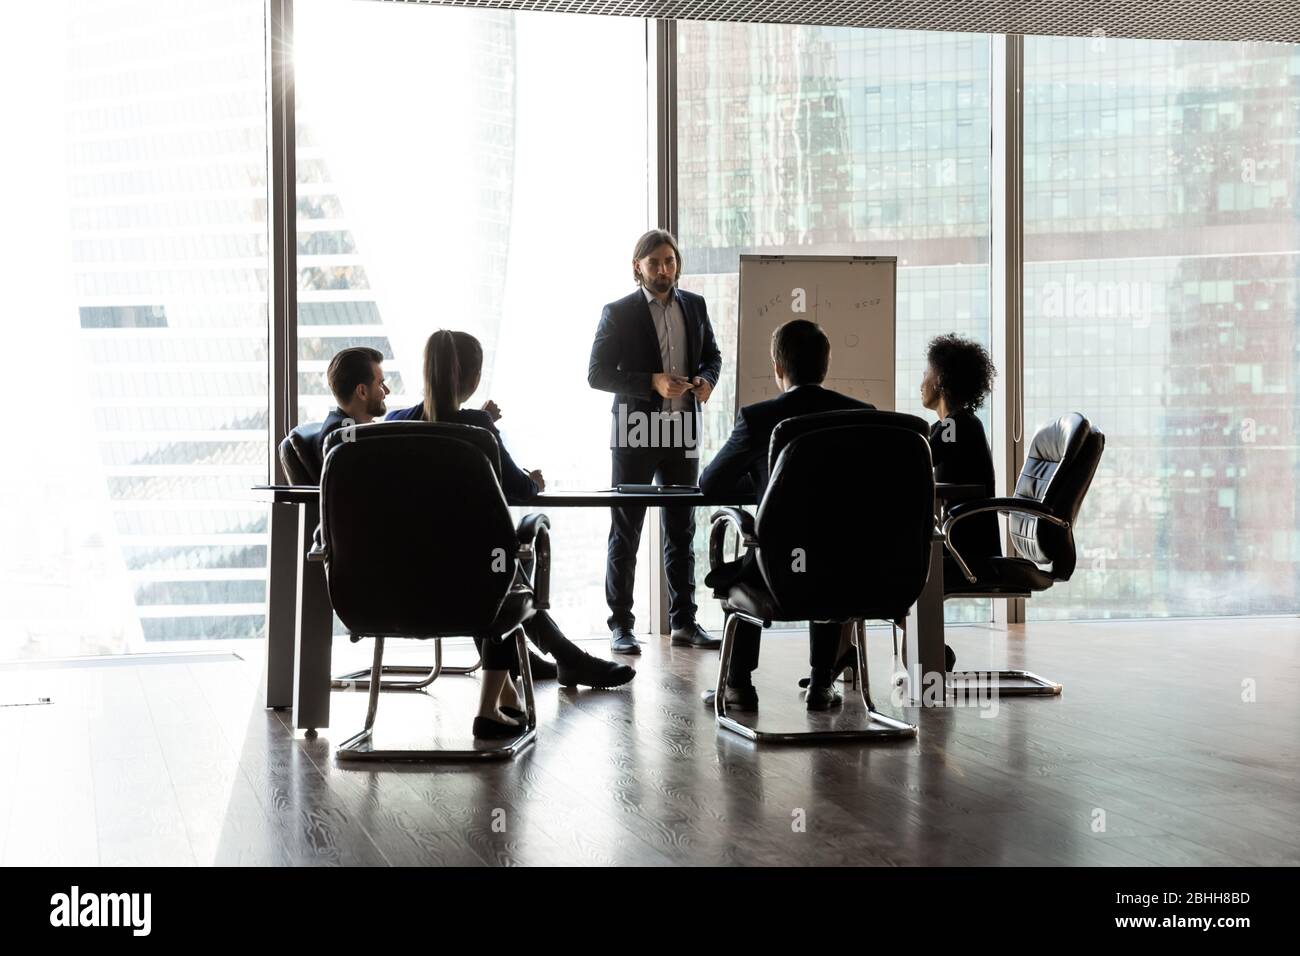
x=850 y=297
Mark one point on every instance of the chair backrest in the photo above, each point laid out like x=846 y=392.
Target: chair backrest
x=845 y=526
x=298 y=455
x=790 y=429
x=420 y=540
x=480 y=438
x=1058 y=470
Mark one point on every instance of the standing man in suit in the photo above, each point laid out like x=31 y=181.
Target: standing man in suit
x=656 y=352
x=801 y=355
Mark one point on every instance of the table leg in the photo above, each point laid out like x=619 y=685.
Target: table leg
x=281 y=605
x=928 y=682
x=313 y=633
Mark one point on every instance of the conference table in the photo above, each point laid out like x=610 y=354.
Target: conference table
x=300 y=620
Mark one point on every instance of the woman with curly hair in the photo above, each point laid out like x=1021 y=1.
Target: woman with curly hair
x=958 y=378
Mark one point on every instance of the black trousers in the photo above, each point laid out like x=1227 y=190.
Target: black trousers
x=823 y=639
x=823 y=643
x=498 y=655
x=541 y=630
x=665 y=466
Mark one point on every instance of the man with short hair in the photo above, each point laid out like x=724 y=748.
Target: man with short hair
x=655 y=350
x=801 y=355
x=356 y=378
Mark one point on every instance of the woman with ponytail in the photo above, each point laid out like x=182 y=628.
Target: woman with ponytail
x=453 y=367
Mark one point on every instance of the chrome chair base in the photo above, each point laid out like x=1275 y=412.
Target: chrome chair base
x=1010 y=683
x=358 y=748
x=354 y=750
x=880 y=726
x=1002 y=684
x=360 y=680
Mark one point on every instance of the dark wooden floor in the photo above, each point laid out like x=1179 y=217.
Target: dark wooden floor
x=179 y=764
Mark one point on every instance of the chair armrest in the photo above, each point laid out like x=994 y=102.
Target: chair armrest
x=530 y=525
x=723 y=518
x=535 y=543
x=1024 y=506
x=319 y=551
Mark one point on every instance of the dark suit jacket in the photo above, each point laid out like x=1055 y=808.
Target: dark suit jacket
x=625 y=354
x=741 y=464
x=515 y=483
x=335 y=420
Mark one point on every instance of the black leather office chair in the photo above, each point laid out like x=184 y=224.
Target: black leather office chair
x=418 y=542
x=1059 y=465
x=302 y=466
x=298 y=455
x=842 y=534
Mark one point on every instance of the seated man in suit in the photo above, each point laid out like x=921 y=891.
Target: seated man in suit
x=801 y=355
x=356 y=377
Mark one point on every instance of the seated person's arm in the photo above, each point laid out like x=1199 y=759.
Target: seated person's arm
x=939 y=448
x=731 y=469
x=515 y=482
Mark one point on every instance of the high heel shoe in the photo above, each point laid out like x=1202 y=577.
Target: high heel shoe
x=848 y=662
x=486 y=728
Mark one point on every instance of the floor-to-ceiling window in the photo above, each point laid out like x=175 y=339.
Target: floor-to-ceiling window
x=134 y=196
x=1162 y=247
x=806 y=140
x=452 y=174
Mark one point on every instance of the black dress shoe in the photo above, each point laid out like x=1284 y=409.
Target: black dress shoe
x=514 y=713
x=694 y=636
x=848 y=662
x=485 y=728
x=623 y=641
x=594 y=672
x=542 y=669
x=824 y=698
x=738 y=698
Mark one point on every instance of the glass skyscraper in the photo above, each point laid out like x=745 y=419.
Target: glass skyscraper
x=166 y=159
x=1162 y=237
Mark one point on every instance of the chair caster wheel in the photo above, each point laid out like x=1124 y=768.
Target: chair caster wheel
x=311 y=733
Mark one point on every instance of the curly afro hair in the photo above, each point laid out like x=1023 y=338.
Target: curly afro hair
x=964 y=370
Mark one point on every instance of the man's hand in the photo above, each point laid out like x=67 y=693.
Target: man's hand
x=491 y=408
x=702 y=388
x=670 y=386
x=538 y=480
